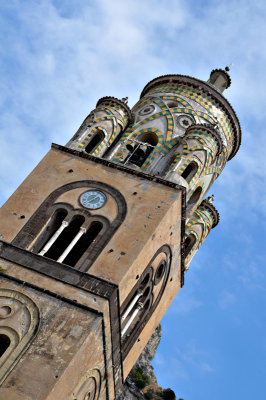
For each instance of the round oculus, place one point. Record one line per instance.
(93, 199)
(147, 110)
(184, 121)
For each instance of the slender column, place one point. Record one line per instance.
(131, 305)
(71, 245)
(53, 238)
(131, 319)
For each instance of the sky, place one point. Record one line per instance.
(58, 57)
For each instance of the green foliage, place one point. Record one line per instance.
(2, 269)
(148, 395)
(140, 379)
(168, 394)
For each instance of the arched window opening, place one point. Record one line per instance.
(190, 171)
(4, 344)
(65, 238)
(52, 227)
(94, 142)
(172, 104)
(189, 243)
(139, 150)
(84, 243)
(194, 197)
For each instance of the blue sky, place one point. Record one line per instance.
(59, 57)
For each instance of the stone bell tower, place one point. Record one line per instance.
(97, 239)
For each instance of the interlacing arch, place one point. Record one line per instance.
(177, 99)
(186, 163)
(135, 137)
(108, 110)
(164, 148)
(199, 219)
(115, 121)
(200, 184)
(86, 140)
(205, 102)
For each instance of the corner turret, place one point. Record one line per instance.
(220, 79)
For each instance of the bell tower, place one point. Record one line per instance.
(96, 241)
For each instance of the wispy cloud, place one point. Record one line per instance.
(226, 299)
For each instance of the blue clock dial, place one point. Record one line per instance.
(93, 199)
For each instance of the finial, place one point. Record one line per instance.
(211, 198)
(227, 68)
(125, 100)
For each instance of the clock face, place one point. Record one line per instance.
(93, 199)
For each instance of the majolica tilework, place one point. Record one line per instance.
(135, 135)
(96, 123)
(204, 101)
(204, 218)
(177, 99)
(169, 142)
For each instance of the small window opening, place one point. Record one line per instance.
(65, 238)
(4, 344)
(189, 243)
(172, 104)
(194, 197)
(190, 171)
(139, 150)
(94, 142)
(83, 244)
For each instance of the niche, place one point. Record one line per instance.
(194, 197)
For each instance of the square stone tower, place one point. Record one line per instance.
(96, 241)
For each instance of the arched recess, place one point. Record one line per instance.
(145, 296)
(19, 322)
(190, 171)
(95, 140)
(34, 228)
(189, 243)
(140, 148)
(194, 198)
